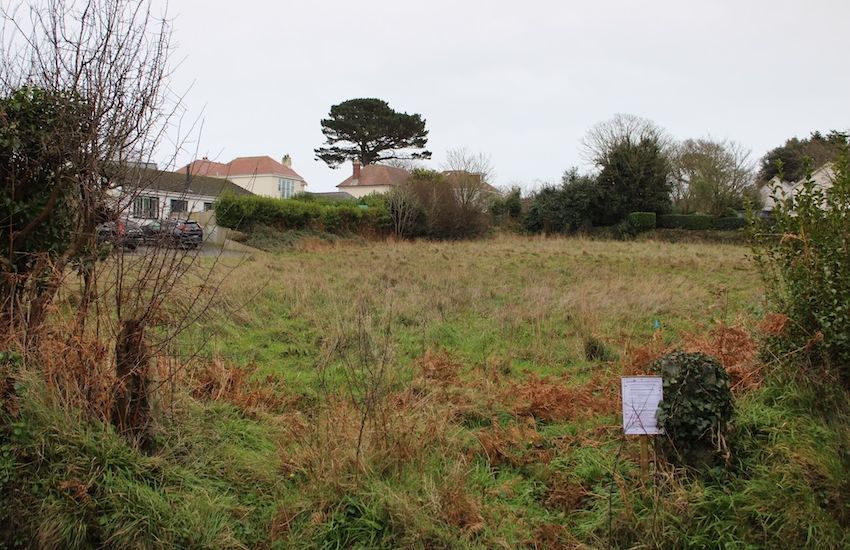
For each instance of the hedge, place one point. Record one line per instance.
(685, 221)
(641, 221)
(244, 212)
(729, 223)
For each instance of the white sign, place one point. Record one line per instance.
(641, 396)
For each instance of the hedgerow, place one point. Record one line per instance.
(685, 221)
(246, 212)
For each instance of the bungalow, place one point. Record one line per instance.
(379, 178)
(149, 194)
(260, 175)
(823, 179)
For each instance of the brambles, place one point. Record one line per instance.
(696, 408)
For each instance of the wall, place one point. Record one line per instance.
(265, 185)
(196, 203)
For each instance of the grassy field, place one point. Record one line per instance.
(442, 395)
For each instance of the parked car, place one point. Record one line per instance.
(120, 233)
(186, 233)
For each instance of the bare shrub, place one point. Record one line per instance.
(216, 380)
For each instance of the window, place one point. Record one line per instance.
(208, 206)
(179, 205)
(286, 188)
(146, 208)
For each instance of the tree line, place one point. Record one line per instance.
(637, 167)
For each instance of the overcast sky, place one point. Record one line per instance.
(519, 81)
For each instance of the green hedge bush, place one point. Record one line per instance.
(685, 221)
(641, 221)
(245, 212)
(728, 223)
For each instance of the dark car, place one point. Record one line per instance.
(120, 233)
(185, 233)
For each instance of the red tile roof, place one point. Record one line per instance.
(241, 166)
(377, 174)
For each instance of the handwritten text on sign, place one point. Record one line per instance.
(641, 396)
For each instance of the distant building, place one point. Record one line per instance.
(379, 178)
(823, 179)
(372, 178)
(259, 175)
(151, 194)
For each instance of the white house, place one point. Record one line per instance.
(823, 179)
(149, 194)
(260, 175)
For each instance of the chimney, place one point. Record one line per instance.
(286, 161)
(356, 164)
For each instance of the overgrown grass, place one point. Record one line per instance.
(496, 423)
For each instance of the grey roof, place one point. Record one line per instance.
(173, 182)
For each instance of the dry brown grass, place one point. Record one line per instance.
(514, 445)
(438, 367)
(554, 400)
(216, 380)
(734, 346)
(405, 430)
(456, 506)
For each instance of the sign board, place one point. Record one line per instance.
(641, 396)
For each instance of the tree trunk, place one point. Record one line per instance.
(131, 409)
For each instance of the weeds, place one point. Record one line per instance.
(449, 404)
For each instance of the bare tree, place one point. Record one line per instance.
(604, 137)
(404, 210)
(469, 175)
(711, 176)
(112, 59)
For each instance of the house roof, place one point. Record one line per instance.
(173, 182)
(373, 175)
(241, 166)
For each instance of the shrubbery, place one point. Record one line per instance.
(576, 204)
(452, 210)
(248, 211)
(508, 208)
(696, 408)
(728, 223)
(685, 221)
(804, 255)
(641, 221)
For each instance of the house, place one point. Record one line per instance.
(148, 194)
(379, 178)
(372, 178)
(823, 179)
(259, 175)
